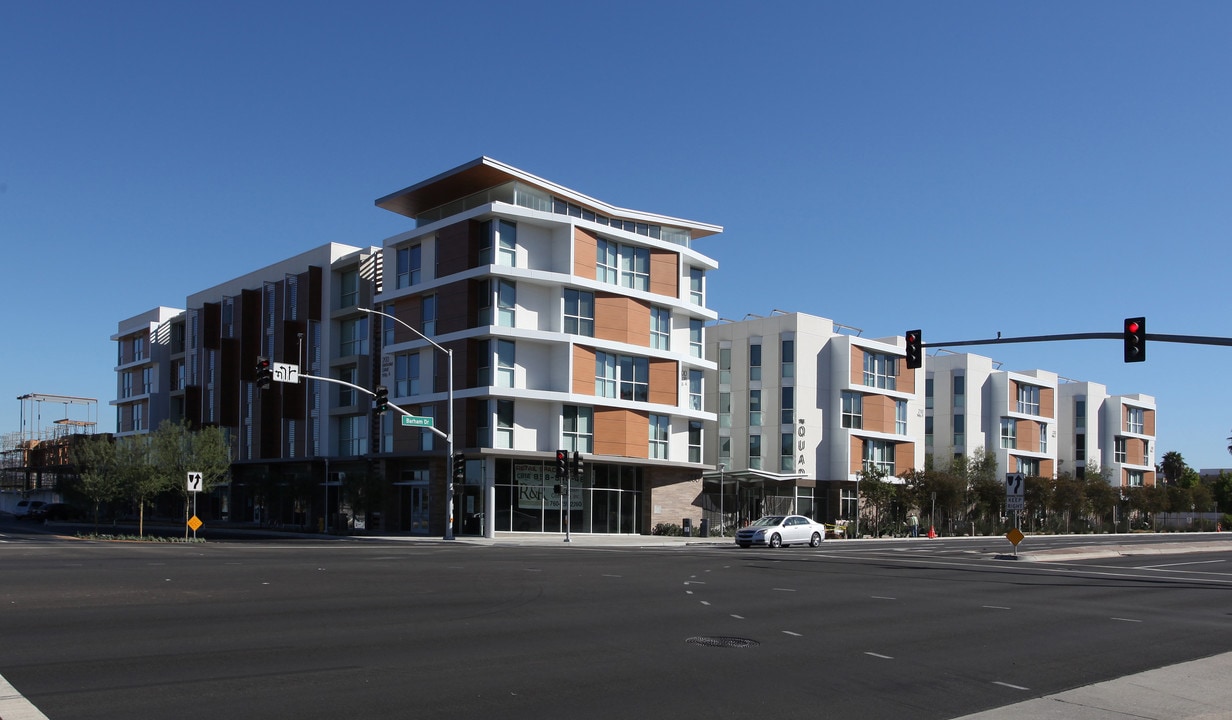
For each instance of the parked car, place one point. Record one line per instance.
(57, 512)
(26, 508)
(779, 530)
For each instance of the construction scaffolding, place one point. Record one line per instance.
(36, 456)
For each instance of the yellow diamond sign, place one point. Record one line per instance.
(195, 523)
(1015, 536)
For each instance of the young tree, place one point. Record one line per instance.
(94, 456)
(176, 451)
(137, 477)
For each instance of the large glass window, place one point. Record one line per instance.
(788, 360)
(695, 337)
(755, 452)
(660, 328)
(409, 270)
(1120, 450)
(506, 303)
(853, 410)
(879, 454)
(695, 389)
(1043, 437)
(352, 436)
(605, 375)
(634, 377)
(354, 337)
(755, 362)
(724, 366)
(1028, 399)
(504, 424)
(695, 441)
(635, 267)
(697, 286)
(725, 410)
(505, 363)
(880, 371)
(900, 417)
(428, 315)
(607, 269)
(406, 374)
(1135, 420)
(787, 405)
(578, 429)
(579, 312)
(754, 408)
(787, 449)
(1009, 433)
(349, 292)
(659, 435)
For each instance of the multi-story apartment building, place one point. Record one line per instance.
(572, 324)
(803, 407)
(143, 381)
(1113, 432)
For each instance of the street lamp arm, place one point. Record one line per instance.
(404, 324)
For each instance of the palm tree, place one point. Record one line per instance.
(1173, 467)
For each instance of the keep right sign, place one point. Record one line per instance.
(1014, 487)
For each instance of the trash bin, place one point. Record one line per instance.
(703, 530)
(687, 527)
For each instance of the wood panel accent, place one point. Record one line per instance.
(664, 272)
(620, 432)
(583, 382)
(663, 384)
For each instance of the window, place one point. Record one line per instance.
(928, 394)
(755, 452)
(787, 405)
(505, 363)
(1027, 466)
(960, 431)
(928, 430)
(635, 267)
(634, 377)
(1028, 399)
(695, 441)
(506, 244)
(606, 268)
(755, 363)
(1134, 420)
(126, 385)
(138, 349)
(605, 375)
(1043, 437)
(695, 389)
(1080, 447)
(1009, 433)
(428, 315)
(725, 450)
(147, 380)
(658, 436)
(504, 424)
(1120, 451)
(388, 325)
(347, 395)
(788, 359)
(900, 417)
(697, 286)
(506, 303)
(754, 408)
(660, 328)
(351, 438)
(406, 375)
(879, 454)
(138, 416)
(787, 450)
(1134, 478)
(426, 441)
(725, 366)
(725, 410)
(960, 392)
(409, 266)
(1080, 414)
(579, 312)
(695, 337)
(578, 429)
(348, 294)
(853, 410)
(354, 339)
(880, 371)
(1146, 452)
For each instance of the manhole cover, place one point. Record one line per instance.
(730, 642)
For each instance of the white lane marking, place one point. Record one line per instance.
(611, 576)
(1124, 619)
(705, 602)
(1168, 565)
(794, 634)
(879, 655)
(996, 607)
(738, 617)
(784, 589)
(882, 597)
(1005, 684)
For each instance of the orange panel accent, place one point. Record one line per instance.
(664, 273)
(663, 385)
(904, 457)
(623, 433)
(1148, 422)
(1048, 402)
(878, 413)
(857, 365)
(583, 370)
(584, 249)
(857, 454)
(1028, 434)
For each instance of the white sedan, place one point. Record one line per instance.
(779, 530)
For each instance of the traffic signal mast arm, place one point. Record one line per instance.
(1153, 337)
(366, 391)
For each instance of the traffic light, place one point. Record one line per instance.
(264, 373)
(577, 465)
(380, 403)
(459, 468)
(915, 350)
(1135, 339)
(562, 464)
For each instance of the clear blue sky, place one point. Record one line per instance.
(966, 167)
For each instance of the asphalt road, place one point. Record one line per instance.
(432, 630)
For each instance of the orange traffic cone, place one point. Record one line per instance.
(932, 532)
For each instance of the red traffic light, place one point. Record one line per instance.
(1135, 339)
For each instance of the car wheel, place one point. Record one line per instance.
(776, 541)
(815, 540)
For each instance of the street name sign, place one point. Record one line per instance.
(416, 421)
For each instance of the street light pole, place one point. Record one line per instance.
(449, 488)
(722, 471)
